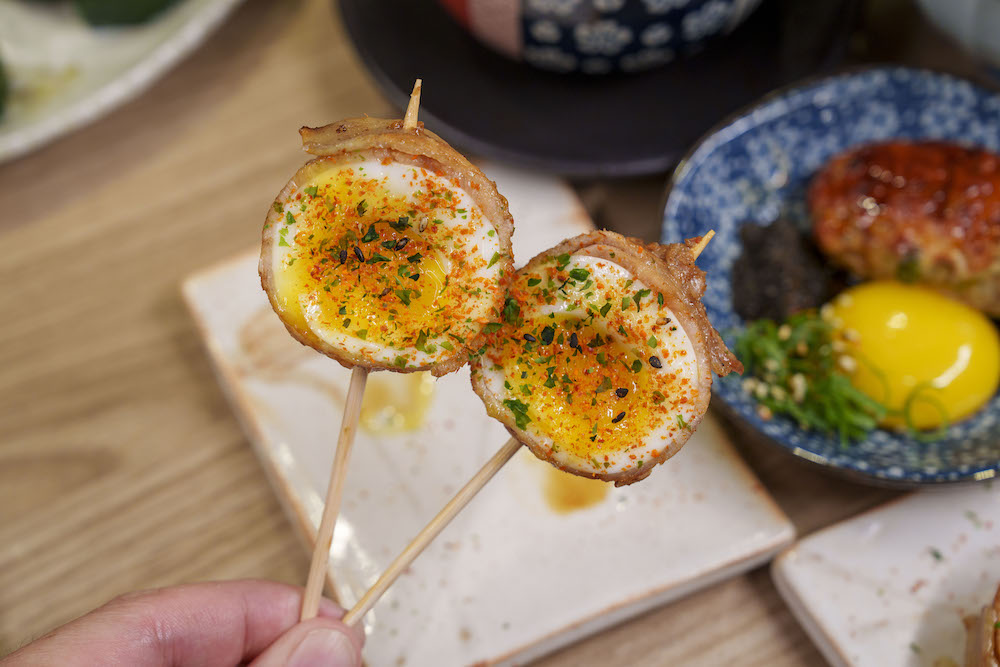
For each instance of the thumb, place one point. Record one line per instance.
(318, 642)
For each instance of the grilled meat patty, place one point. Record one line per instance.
(926, 212)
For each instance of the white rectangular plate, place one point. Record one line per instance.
(891, 586)
(511, 578)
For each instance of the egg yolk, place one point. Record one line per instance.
(573, 395)
(591, 361)
(402, 270)
(928, 358)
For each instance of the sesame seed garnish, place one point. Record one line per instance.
(655, 362)
(574, 341)
(530, 338)
(385, 291)
(401, 243)
(357, 253)
(343, 256)
(620, 416)
(621, 393)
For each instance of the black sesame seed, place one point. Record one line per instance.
(360, 255)
(401, 243)
(548, 333)
(655, 362)
(530, 338)
(385, 291)
(620, 416)
(343, 256)
(574, 341)
(621, 393)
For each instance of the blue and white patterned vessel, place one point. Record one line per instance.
(757, 166)
(602, 36)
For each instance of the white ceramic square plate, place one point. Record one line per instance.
(891, 586)
(539, 558)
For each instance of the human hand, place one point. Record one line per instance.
(210, 624)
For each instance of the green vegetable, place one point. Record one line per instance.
(511, 311)
(120, 12)
(908, 270)
(520, 411)
(922, 392)
(794, 372)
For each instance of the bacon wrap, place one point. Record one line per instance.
(384, 139)
(669, 269)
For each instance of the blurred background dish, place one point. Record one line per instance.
(756, 168)
(891, 586)
(597, 36)
(975, 24)
(63, 72)
(581, 125)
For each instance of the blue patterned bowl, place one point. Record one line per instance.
(756, 167)
(597, 36)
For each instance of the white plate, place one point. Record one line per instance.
(511, 578)
(891, 586)
(65, 73)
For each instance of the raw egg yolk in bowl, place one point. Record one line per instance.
(928, 359)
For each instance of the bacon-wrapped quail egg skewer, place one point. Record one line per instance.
(603, 364)
(587, 325)
(389, 250)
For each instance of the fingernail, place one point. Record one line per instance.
(324, 647)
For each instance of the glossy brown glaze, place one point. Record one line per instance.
(926, 212)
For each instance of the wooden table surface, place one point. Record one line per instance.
(121, 465)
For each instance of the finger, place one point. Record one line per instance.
(319, 641)
(195, 625)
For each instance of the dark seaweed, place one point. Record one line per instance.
(781, 272)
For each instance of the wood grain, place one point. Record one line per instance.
(319, 563)
(121, 466)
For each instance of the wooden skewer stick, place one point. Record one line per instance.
(348, 427)
(427, 535)
(450, 511)
(702, 243)
(410, 119)
(324, 536)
